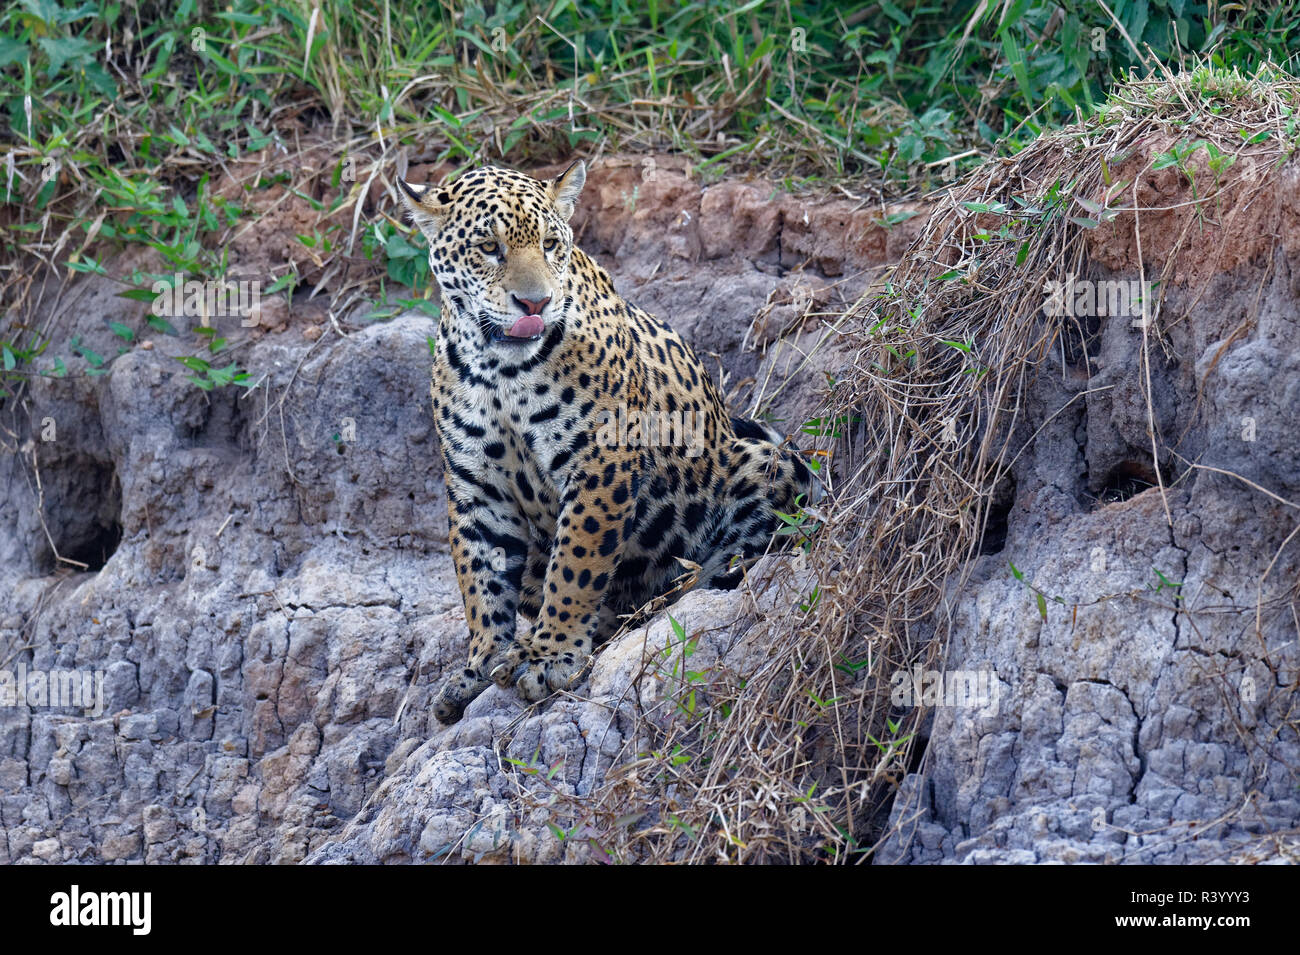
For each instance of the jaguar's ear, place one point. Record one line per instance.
(428, 208)
(567, 186)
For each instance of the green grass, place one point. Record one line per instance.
(119, 119)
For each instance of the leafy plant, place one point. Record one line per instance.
(1040, 597)
(206, 376)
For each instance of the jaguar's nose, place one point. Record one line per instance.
(531, 307)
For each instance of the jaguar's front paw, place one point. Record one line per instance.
(506, 666)
(456, 694)
(541, 678)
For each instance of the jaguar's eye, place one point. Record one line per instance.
(490, 248)
(551, 244)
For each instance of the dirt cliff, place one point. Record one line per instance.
(268, 597)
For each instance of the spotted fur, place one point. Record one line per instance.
(555, 513)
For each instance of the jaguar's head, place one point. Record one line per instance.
(499, 248)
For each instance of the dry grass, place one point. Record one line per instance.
(799, 762)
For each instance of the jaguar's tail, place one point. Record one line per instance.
(811, 485)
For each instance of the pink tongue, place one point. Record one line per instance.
(526, 327)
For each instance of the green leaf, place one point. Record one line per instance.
(11, 51)
(121, 331)
(93, 357)
(895, 14)
(138, 295)
(397, 247)
(65, 50)
(1016, 58)
(247, 19)
(894, 218)
(1165, 581)
(221, 63)
(162, 325)
(47, 11)
(87, 265)
(1096, 208)
(1042, 605)
(99, 79)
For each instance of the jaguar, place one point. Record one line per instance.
(591, 465)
